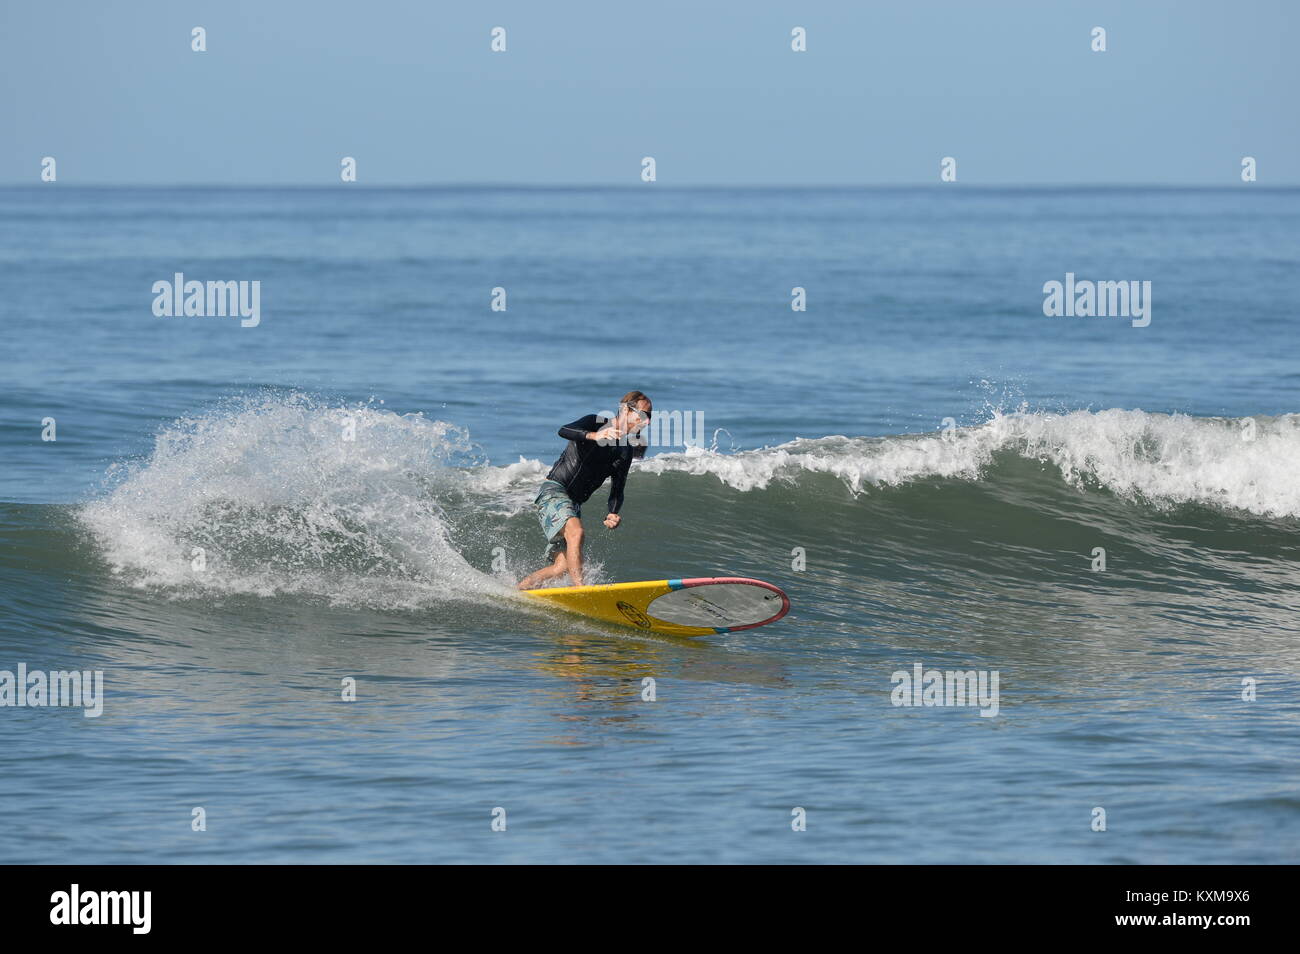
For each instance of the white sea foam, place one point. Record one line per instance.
(280, 501)
(1162, 458)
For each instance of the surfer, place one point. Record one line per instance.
(598, 448)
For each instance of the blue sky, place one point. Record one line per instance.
(1010, 89)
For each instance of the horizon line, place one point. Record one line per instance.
(648, 185)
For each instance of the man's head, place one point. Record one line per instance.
(634, 412)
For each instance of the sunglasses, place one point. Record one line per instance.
(637, 411)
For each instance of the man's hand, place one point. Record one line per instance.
(612, 434)
(612, 520)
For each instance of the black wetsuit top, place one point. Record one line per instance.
(585, 464)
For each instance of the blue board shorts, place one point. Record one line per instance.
(554, 508)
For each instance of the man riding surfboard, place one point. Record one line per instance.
(598, 448)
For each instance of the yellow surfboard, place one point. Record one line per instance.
(698, 607)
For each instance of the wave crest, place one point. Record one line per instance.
(1163, 459)
(278, 499)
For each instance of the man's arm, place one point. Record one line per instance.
(583, 429)
(616, 481)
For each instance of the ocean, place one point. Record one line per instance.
(238, 523)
